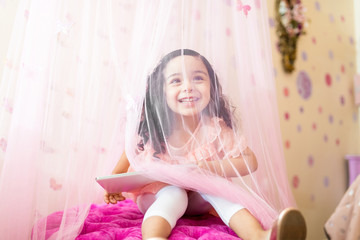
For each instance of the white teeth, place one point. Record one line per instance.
(188, 99)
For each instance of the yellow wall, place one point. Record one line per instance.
(322, 124)
(320, 129)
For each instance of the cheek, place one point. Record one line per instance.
(170, 96)
(206, 94)
(207, 99)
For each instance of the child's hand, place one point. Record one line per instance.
(113, 197)
(212, 166)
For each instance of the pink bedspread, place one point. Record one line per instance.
(123, 221)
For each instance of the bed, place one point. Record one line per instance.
(123, 221)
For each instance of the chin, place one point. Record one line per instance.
(190, 114)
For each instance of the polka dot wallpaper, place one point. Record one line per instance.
(318, 116)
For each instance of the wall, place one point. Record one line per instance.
(319, 120)
(356, 11)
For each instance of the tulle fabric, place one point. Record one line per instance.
(73, 92)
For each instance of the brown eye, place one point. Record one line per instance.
(198, 78)
(175, 80)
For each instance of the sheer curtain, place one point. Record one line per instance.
(73, 91)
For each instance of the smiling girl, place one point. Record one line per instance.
(187, 120)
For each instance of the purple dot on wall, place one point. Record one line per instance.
(304, 55)
(312, 198)
(331, 119)
(338, 78)
(271, 22)
(331, 18)
(341, 122)
(355, 117)
(317, 5)
(325, 138)
(303, 84)
(351, 39)
(301, 109)
(331, 54)
(299, 128)
(310, 161)
(342, 100)
(326, 181)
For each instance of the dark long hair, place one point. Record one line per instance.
(157, 118)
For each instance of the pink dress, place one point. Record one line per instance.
(212, 139)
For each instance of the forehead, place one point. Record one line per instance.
(187, 63)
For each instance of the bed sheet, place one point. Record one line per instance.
(123, 221)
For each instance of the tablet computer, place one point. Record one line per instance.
(123, 182)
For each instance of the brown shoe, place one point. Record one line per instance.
(289, 226)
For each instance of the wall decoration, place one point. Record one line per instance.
(290, 21)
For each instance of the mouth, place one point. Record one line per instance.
(188, 99)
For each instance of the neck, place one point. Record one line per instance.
(186, 123)
(183, 129)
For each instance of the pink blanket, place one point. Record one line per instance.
(123, 221)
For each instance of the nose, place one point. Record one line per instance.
(187, 85)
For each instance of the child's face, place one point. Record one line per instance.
(187, 85)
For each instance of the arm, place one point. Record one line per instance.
(122, 166)
(225, 166)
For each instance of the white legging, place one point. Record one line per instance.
(172, 203)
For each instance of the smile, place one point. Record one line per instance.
(188, 99)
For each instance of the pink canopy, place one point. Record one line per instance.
(73, 95)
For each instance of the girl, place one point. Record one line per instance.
(186, 120)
